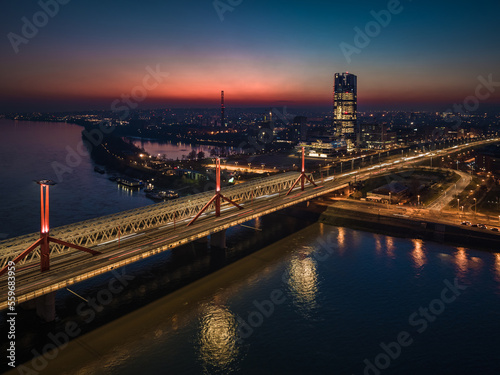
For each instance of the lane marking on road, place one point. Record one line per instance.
(121, 255)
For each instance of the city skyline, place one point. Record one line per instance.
(411, 56)
(234, 184)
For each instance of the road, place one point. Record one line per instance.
(74, 267)
(445, 216)
(447, 196)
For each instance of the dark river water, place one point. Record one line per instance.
(295, 297)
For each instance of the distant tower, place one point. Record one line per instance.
(345, 103)
(222, 114)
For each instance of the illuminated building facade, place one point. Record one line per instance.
(345, 103)
(376, 136)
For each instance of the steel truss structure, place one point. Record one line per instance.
(108, 228)
(45, 239)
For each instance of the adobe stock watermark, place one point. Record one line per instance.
(372, 29)
(266, 308)
(88, 311)
(121, 107)
(223, 6)
(420, 320)
(40, 19)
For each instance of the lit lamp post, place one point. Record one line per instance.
(458, 206)
(45, 239)
(475, 207)
(217, 197)
(418, 200)
(302, 176)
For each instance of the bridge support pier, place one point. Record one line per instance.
(202, 240)
(46, 307)
(218, 239)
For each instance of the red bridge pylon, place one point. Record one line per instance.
(45, 240)
(216, 198)
(302, 178)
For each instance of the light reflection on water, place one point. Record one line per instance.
(389, 244)
(176, 150)
(497, 267)
(341, 240)
(418, 254)
(217, 337)
(357, 301)
(461, 262)
(258, 223)
(378, 244)
(303, 280)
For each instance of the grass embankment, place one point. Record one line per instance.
(486, 194)
(430, 194)
(428, 184)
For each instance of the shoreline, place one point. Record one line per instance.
(406, 226)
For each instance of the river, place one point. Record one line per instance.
(178, 150)
(290, 297)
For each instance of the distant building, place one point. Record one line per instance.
(393, 192)
(322, 148)
(488, 159)
(300, 128)
(376, 136)
(345, 104)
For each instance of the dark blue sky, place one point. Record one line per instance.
(429, 55)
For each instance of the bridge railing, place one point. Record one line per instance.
(92, 232)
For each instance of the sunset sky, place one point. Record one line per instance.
(262, 53)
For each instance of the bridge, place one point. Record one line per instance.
(133, 235)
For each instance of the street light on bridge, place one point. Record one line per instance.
(302, 176)
(217, 197)
(45, 240)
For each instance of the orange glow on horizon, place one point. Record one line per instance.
(246, 80)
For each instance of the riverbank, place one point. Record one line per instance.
(357, 215)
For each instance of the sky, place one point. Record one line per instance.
(91, 54)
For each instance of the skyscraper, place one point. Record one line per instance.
(345, 103)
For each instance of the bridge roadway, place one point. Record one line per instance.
(73, 267)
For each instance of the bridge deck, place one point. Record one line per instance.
(73, 267)
(150, 230)
(107, 228)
